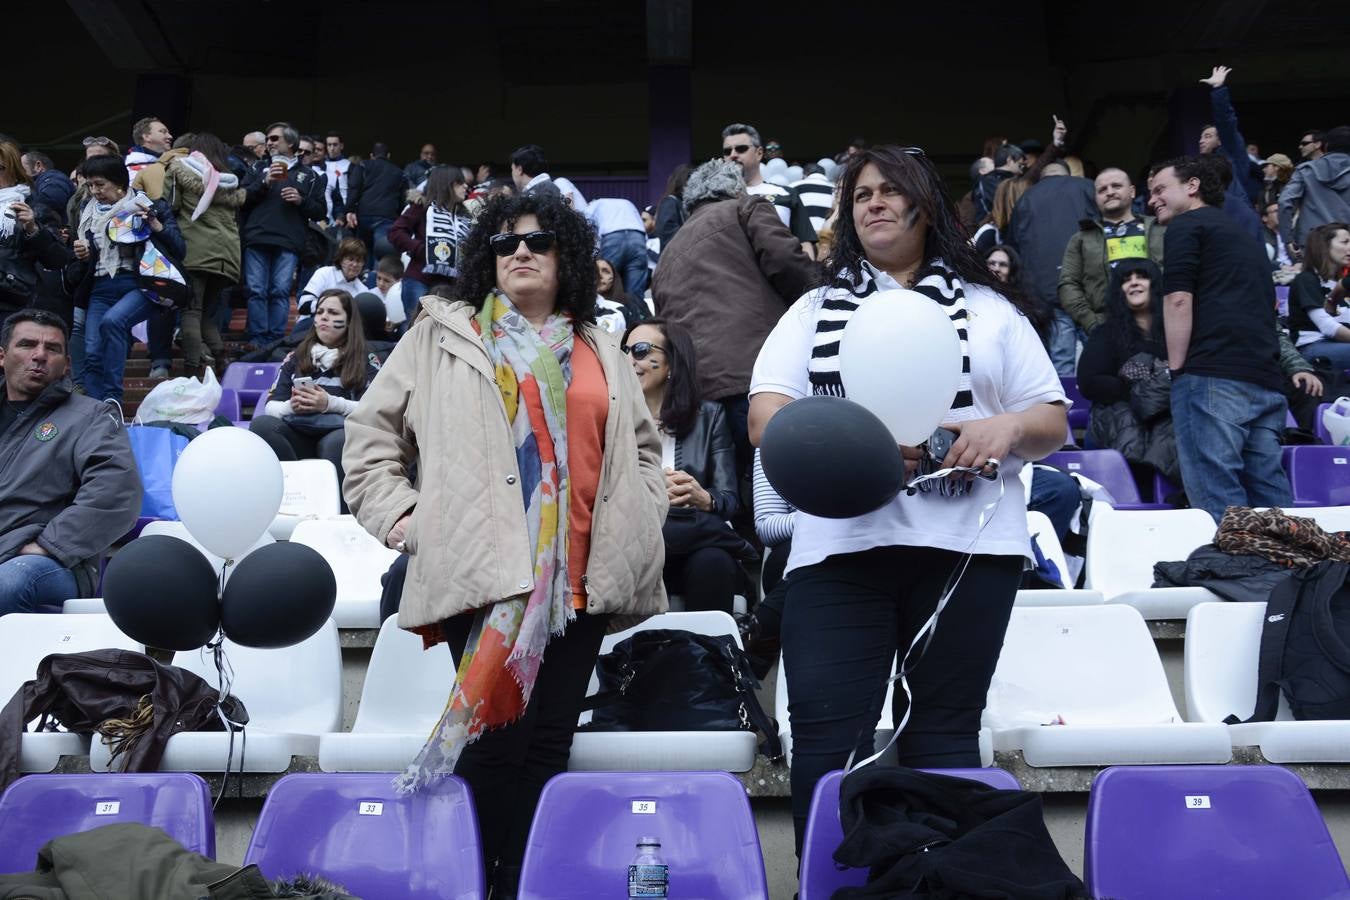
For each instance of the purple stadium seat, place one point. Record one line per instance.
(1109, 469)
(820, 875)
(37, 808)
(1323, 434)
(1208, 831)
(251, 381)
(1162, 488)
(1078, 415)
(229, 405)
(1320, 476)
(587, 826)
(354, 829)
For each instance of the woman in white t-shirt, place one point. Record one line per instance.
(344, 274)
(862, 588)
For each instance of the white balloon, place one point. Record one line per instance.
(900, 357)
(227, 487)
(777, 164)
(794, 173)
(179, 530)
(777, 178)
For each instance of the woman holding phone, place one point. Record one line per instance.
(318, 387)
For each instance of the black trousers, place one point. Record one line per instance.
(705, 578)
(843, 621)
(290, 445)
(508, 767)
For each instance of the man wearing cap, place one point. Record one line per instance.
(1275, 172)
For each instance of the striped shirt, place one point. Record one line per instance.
(817, 195)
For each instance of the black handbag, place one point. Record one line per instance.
(674, 680)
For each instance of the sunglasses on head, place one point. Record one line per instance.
(100, 141)
(506, 243)
(641, 350)
(737, 148)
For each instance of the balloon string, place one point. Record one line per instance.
(224, 682)
(925, 634)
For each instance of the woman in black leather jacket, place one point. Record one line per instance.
(699, 458)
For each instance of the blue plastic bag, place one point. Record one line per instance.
(156, 451)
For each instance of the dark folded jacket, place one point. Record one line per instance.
(1233, 576)
(934, 836)
(80, 691)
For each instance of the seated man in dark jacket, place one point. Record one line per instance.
(68, 481)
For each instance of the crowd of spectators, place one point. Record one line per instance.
(728, 295)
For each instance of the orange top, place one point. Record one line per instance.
(587, 411)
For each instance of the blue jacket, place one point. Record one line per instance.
(1247, 178)
(53, 190)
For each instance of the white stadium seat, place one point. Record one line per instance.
(405, 692)
(358, 560)
(83, 605)
(656, 751)
(311, 492)
(1123, 546)
(293, 695)
(1058, 598)
(29, 637)
(176, 529)
(1223, 642)
(885, 724)
(1096, 670)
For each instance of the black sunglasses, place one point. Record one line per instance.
(738, 148)
(506, 243)
(641, 350)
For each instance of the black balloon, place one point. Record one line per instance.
(277, 596)
(161, 591)
(831, 457)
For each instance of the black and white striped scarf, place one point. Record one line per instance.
(936, 282)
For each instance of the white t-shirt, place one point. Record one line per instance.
(323, 279)
(1010, 372)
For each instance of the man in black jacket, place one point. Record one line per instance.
(415, 172)
(282, 195)
(68, 481)
(374, 200)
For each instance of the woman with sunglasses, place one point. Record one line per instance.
(698, 457)
(532, 516)
(861, 589)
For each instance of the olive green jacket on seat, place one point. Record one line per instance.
(130, 861)
(1084, 275)
(436, 403)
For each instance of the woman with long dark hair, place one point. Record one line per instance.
(670, 210)
(698, 456)
(507, 449)
(431, 231)
(1317, 326)
(861, 589)
(319, 385)
(1123, 371)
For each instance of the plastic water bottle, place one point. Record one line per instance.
(648, 875)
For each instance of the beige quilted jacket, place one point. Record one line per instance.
(436, 403)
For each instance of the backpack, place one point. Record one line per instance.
(1305, 646)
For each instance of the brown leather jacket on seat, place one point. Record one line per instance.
(81, 691)
(436, 402)
(728, 275)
